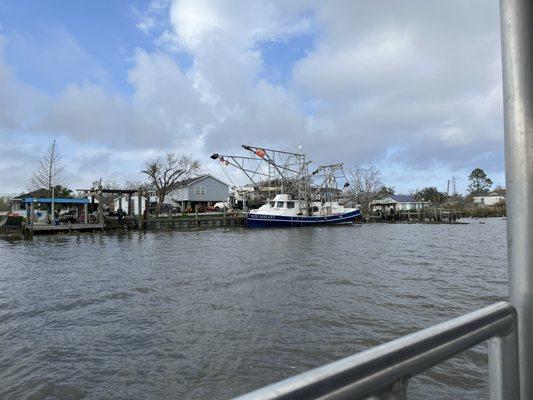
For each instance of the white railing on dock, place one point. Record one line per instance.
(384, 371)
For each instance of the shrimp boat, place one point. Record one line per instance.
(294, 196)
(286, 212)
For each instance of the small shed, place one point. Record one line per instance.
(124, 202)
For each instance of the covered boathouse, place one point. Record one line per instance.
(42, 215)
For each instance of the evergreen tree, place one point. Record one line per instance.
(479, 182)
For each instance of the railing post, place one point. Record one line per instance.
(398, 391)
(503, 366)
(517, 56)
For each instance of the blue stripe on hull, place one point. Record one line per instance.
(272, 221)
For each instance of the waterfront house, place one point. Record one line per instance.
(398, 202)
(200, 190)
(494, 198)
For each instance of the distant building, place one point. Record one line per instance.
(202, 189)
(496, 197)
(398, 202)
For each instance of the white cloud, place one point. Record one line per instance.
(239, 24)
(19, 103)
(408, 82)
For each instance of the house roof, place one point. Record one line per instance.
(494, 193)
(403, 198)
(187, 182)
(497, 192)
(397, 198)
(58, 200)
(190, 181)
(36, 193)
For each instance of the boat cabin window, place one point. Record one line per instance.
(280, 204)
(272, 204)
(290, 204)
(315, 209)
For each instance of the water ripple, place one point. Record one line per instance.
(212, 314)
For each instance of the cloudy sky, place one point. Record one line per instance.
(412, 86)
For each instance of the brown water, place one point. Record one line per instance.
(213, 314)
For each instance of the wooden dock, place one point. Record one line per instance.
(47, 228)
(207, 221)
(130, 223)
(424, 216)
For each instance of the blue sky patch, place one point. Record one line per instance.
(279, 57)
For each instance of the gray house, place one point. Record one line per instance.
(203, 189)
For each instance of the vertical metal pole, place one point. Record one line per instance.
(503, 367)
(517, 56)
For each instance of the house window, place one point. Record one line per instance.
(199, 190)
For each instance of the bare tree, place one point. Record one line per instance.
(134, 185)
(48, 174)
(109, 198)
(165, 173)
(365, 184)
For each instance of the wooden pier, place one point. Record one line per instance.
(207, 221)
(48, 228)
(423, 216)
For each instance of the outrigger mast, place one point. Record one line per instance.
(288, 170)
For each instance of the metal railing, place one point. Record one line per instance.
(384, 371)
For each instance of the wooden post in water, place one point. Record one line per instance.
(86, 212)
(196, 214)
(100, 205)
(224, 220)
(31, 216)
(139, 209)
